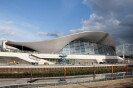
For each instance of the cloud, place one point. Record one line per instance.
(5, 28)
(9, 22)
(7, 34)
(17, 34)
(12, 33)
(97, 23)
(31, 26)
(112, 16)
(50, 34)
(6, 31)
(2, 39)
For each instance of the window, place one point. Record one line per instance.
(85, 47)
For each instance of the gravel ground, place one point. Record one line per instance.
(124, 83)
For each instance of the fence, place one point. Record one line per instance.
(72, 80)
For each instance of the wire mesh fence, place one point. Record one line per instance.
(77, 80)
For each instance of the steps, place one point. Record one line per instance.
(25, 56)
(39, 60)
(22, 56)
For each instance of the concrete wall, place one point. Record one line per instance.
(23, 56)
(7, 60)
(82, 59)
(78, 58)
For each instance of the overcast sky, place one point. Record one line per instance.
(36, 20)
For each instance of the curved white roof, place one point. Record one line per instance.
(55, 45)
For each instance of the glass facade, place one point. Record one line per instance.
(85, 47)
(58, 61)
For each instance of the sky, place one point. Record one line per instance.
(37, 20)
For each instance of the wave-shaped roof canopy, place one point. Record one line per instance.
(55, 45)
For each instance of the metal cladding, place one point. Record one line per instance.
(55, 45)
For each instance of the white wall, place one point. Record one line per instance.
(23, 56)
(97, 57)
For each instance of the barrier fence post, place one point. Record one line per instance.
(123, 75)
(93, 72)
(126, 70)
(64, 74)
(112, 71)
(132, 74)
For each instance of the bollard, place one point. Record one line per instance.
(64, 74)
(112, 71)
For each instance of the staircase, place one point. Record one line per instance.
(21, 56)
(25, 56)
(39, 60)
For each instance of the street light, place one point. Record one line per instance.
(124, 51)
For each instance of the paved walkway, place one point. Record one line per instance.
(124, 83)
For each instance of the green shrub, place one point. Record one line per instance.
(60, 72)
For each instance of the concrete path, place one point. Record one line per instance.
(124, 83)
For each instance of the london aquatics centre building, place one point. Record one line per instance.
(84, 48)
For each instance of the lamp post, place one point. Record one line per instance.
(63, 62)
(123, 53)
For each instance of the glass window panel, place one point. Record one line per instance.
(77, 45)
(81, 43)
(77, 51)
(77, 48)
(83, 47)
